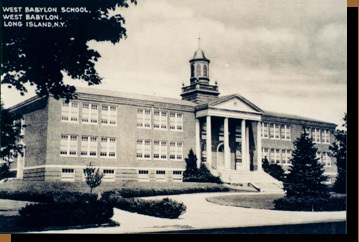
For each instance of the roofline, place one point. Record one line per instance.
(26, 102)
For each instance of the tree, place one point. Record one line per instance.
(10, 135)
(274, 170)
(339, 151)
(4, 171)
(191, 164)
(306, 174)
(93, 176)
(40, 55)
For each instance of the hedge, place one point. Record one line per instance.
(310, 204)
(164, 208)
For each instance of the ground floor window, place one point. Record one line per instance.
(160, 176)
(109, 175)
(68, 174)
(177, 176)
(143, 176)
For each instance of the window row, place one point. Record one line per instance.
(161, 150)
(275, 131)
(319, 135)
(90, 114)
(277, 156)
(88, 146)
(68, 174)
(160, 120)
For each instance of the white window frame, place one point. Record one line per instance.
(286, 156)
(143, 176)
(88, 146)
(109, 177)
(176, 150)
(108, 147)
(316, 135)
(176, 122)
(160, 120)
(68, 176)
(276, 131)
(109, 116)
(144, 149)
(160, 149)
(144, 118)
(325, 136)
(265, 130)
(277, 156)
(177, 176)
(72, 110)
(69, 141)
(93, 114)
(266, 153)
(326, 159)
(160, 176)
(285, 133)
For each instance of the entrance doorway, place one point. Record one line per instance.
(220, 156)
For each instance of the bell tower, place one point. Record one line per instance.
(199, 90)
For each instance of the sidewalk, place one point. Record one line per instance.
(201, 214)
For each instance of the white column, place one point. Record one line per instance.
(198, 143)
(243, 139)
(259, 146)
(227, 154)
(247, 150)
(209, 142)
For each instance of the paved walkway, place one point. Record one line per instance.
(201, 214)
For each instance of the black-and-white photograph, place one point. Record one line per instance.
(167, 116)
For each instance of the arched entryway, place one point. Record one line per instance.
(220, 156)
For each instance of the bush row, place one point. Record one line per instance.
(165, 208)
(67, 213)
(310, 204)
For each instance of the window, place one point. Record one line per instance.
(160, 176)
(286, 156)
(275, 156)
(285, 132)
(264, 133)
(68, 174)
(238, 137)
(325, 136)
(108, 115)
(265, 153)
(70, 112)
(319, 157)
(177, 176)
(160, 150)
(176, 121)
(89, 113)
(198, 70)
(316, 135)
(144, 118)
(205, 70)
(326, 159)
(309, 132)
(143, 176)
(160, 120)
(143, 149)
(68, 145)
(274, 131)
(109, 175)
(108, 147)
(176, 151)
(88, 146)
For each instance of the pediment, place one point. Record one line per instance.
(237, 104)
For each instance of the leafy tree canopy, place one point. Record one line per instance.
(36, 56)
(93, 176)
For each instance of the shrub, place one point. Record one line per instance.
(164, 208)
(202, 175)
(274, 170)
(67, 214)
(310, 204)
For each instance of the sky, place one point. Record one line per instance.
(283, 56)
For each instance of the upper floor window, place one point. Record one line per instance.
(286, 156)
(264, 131)
(160, 120)
(176, 150)
(309, 132)
(70, 112)
(89, 146)
(275, 156)
(143, 149)
(108, 147)
(89, 113)
(176, 121)
(326, 159)
(274, 131)
(285, 132)
(68, 145)
(316, 135)
(326, 136)
(144, 118)
(108, 115)
(160, 150)
(265, 153)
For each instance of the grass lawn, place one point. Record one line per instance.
(260, 201)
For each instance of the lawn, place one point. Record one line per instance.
(259, 201)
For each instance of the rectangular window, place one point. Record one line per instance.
(177, 176)
(326, 159)
(143, 149)
(160, 120)
(160, 176)
(160, 150)
(264, 131)
(89, 146)
(70, 112)
(319, 157)
(316, 135)
(108, 147)
(108, 115)
(143, 176)
(275, 156)
(325, 136)
(89, 113)
(265, 153)
(286, 156)
(176, 121)
(144, 118)
(109, 175)
(176, 150)
(274, 131)
(285, 132)
(68, 174)
(68, 145)
(309, 132)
